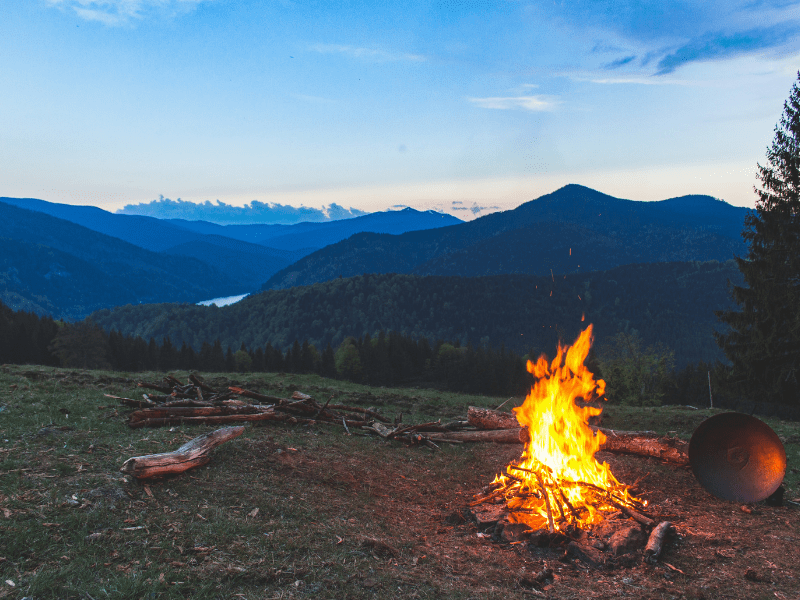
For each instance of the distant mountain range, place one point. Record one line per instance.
(521, 278)
(52, 266)
(198, 260)
(574, 229)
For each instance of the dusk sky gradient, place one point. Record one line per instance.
(463, 107)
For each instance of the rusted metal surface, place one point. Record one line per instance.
(737, 457)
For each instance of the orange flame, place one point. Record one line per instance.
(557, 482)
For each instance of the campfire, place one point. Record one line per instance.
(557, 483)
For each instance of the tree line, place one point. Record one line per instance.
(636, 374)
(389, 358)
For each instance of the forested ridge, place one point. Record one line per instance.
(574, 229)
(668, 303)
(387, 359)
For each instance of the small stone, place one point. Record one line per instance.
(456, 518)
(536, 580)
(539, 538)
(515, 532)
(486, 515)
(587, 554)
(753, 575)
(628, 538)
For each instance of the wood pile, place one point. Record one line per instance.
(178, 403)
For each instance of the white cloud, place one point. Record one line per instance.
(120, 12)
(532, 103)
(370, 54)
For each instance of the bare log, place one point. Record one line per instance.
(213, 420)
(668, 449)
(498, 436)
(656, 541)
(162, 412)
(195, 379)
(487, 418)
(365, 411)
(193, 453)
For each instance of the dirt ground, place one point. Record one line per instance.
(722, 550)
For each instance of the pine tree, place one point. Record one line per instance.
(763, 342)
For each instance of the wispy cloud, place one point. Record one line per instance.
(532, 103)
(620, 62)
(648, 80)
(668, 35)
(121, 12)
(368, 54)
(475, 209)
(724, 45)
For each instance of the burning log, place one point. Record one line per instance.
(193, 453)
(639, 443)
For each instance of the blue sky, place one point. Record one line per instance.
(464, 107)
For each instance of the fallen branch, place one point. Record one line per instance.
(655, 542)
(498, 436)
(193, 453)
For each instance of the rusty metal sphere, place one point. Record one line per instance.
(737, 457)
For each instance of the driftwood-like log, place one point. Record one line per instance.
(655, 543)
(193, 453)
(487, 418)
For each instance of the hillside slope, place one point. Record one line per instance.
(245, 252)
(53, 266)
(670, 303)
(309, 236)
(574, 229)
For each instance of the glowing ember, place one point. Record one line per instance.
(557, 482)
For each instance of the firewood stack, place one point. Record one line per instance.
(176, 403)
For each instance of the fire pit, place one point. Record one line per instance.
(557, 483)
(557, 494)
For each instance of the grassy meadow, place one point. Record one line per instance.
(283, 511)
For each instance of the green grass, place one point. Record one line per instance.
(280, 512)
